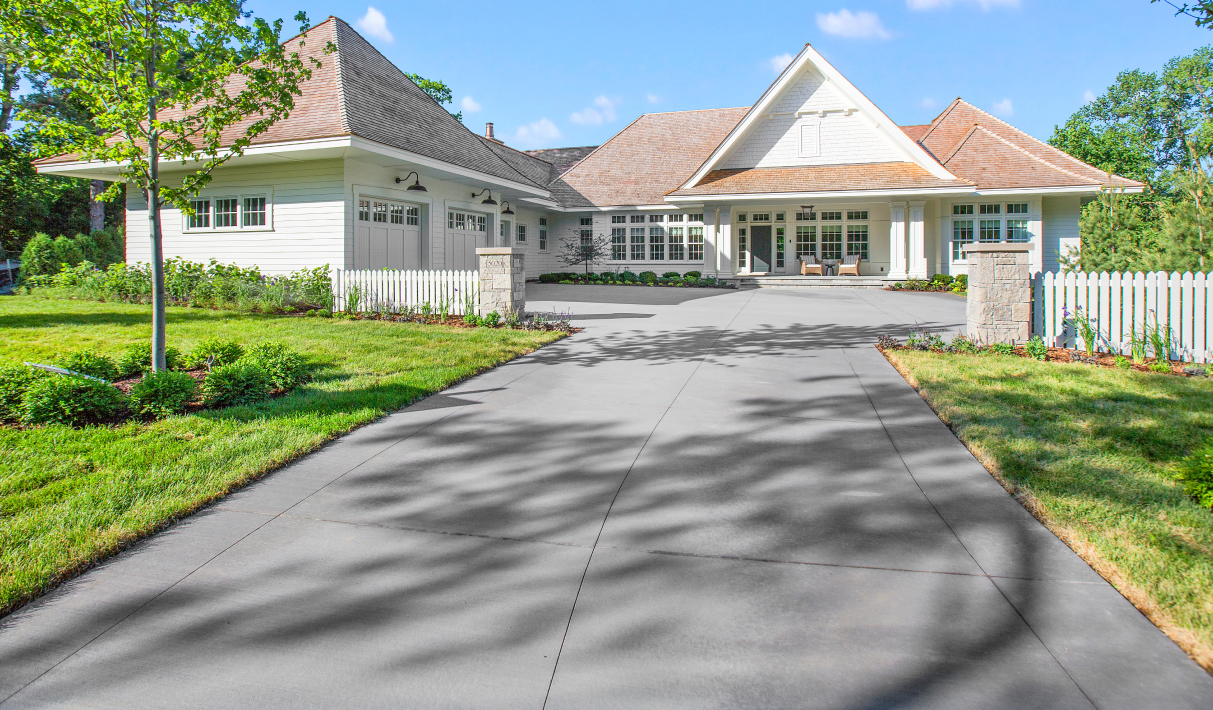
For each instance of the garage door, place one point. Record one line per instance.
(464, 232)
(387, 235)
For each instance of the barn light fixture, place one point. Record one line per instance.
(488, 200)
(507, 209)
(416, 186)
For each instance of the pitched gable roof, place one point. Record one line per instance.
(647, 159)
(995, 155)
(563, 158)
(358, 92)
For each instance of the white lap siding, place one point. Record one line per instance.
(304, 204)
(1060, 228)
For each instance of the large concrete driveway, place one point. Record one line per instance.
(705, 499)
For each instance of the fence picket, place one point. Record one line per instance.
(391, 290)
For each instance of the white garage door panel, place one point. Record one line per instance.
(465, 232)
(387, 235)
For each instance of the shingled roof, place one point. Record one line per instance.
(995, 155)
(650, 157)
(358, 92)
(563, 158)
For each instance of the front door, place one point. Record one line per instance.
(760, 249)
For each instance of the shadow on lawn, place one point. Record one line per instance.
(464, 531)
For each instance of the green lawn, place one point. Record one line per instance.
(69, 497)
(1092, 452)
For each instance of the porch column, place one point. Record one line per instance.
(724, 242)
(918, 241)
(897, 240)
(710, 240)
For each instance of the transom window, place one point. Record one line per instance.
(962, 209)
(1017, 208)
(857, 215)
(741, 216)
(674, 218)
(618, 219)
(831, 217)
(760, 217)
(656, 218)
(467, 221)
(695, 243)
(587, 221)
(806, 216)
(636, 218)
(695, 217)
(990, 209)
(226, 210)
(778, 216)
(619, 243)
(806, 241)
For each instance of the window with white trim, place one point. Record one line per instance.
(760, 217)
(806, 216)
(1017, 208)
(504, 231)
(674, 218)
(779, 217)
(587, 221)
(962, 209)
(677, 248)
(637, 237)
(741, 216)
(962, 234)
(990, 231)
(990, 209)
(695, 243)
(779, 246)
(742, 251)
(857, 215)
(697, 217)
(619, 243)
(831, 216)
(201, 217)
(227, 210)
(543, 234)
(656, 218)
(521, 234)
(1017, 231)
(806, 241)
(831, 241)
(637, 218)
(254, 212)
(857, 240)
(656, 242)
(618, 219)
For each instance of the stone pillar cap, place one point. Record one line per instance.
(482, 251)
(999, 246)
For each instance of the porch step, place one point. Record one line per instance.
(796, 281)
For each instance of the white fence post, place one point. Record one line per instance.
(392, 290)
(1121, 305)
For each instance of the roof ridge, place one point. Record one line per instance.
(939, 119)
(520, 152)
(343, 112)
(951, 153)
(696, 110)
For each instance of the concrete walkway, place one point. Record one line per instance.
(705, 499)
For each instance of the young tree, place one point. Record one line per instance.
(193, 81)
(1112, 235)
(583, 248)
(438, 91)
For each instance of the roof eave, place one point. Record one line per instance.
(829, 194)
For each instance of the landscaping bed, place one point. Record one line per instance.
(943, 283)
(691, 279)
(73, 495)
(1109, 458)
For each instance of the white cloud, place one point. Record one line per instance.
(778, 64)
(1003, 108)
(1088, 96)
(860, 25)
(469, 104)
(936, 4)
(537, 135)
(928, 102)
(654, 99)
(601, 112)
(374, 24)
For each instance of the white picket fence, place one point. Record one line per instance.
(1118, 305)
(392, 290)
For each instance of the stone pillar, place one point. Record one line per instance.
(502, 281)
(1000, 292)
(917, 257)
(897, 240)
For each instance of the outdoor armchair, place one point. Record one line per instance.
(849, 265)
(810, 266)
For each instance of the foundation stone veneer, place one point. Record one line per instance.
(502, 281)
(1000, 292)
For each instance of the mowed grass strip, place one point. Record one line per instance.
(69, 497)
(1093, 453)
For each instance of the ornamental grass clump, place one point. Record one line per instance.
(71, 400)
(160, 394)
(89, 363)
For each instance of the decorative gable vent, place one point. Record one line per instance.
(810, 139)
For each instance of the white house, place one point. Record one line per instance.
(370, 172)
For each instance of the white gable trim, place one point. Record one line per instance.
(762, 110)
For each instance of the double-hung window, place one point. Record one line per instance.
(226, 211)
(521, 234)
(831, 241)
(254, 212)
(201, 217)
(857, 240)
(543, 234)
(677, 248)
(637, 243)
(619, 243)
(695, 243)
(806, 241)
(656, 242)
(962, 235)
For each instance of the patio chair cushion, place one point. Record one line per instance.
(850, 260)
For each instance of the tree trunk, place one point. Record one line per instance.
(96, 208)
(157, 237)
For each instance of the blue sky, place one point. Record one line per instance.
(554, 74)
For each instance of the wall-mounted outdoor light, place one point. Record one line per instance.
(416, 186)
(486, 201)
(507, 209)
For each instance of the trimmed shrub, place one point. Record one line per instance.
(671, 275)
(1196, 473)
(549, 278)
(14, 381)
(138, 359)
(236, 383)
(627, 276)
(214, 352)
(692, 275)
(70, 400)
(160, 394)
(491, 319)
(285, 367)
(648, 277)
(88, 363)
